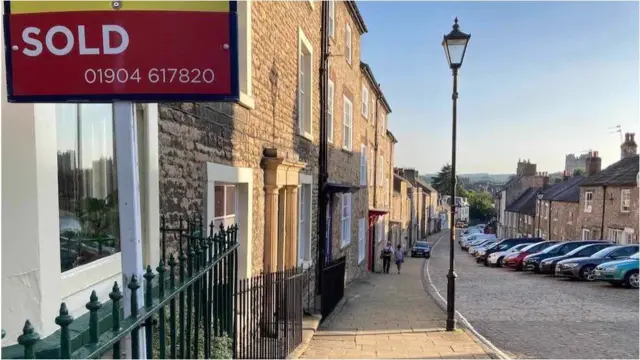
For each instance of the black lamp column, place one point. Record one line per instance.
(455, 46)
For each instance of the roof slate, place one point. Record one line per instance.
(570, 192)
(526, 203)
(623, 172)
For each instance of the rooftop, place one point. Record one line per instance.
(526, 203)
(623, 172)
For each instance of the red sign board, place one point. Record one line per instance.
(101, 51)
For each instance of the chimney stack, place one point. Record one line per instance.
(565, 176)
(593, 163)
(629, 146)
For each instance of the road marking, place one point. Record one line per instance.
(464, 320)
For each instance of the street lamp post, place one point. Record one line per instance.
(540, 196)
(455, 46)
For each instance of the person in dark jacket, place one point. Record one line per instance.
(385, 255)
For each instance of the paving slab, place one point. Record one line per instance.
(389, 316)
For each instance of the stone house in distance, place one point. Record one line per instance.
(557, 210)
(608, 205)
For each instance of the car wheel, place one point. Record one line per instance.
(587, 273)
(631, 279)
(486, 262)
(427, 256)
(500, 262)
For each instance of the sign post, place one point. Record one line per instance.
(126, 138)
(122, 52)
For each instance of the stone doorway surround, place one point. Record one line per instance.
(281, 182)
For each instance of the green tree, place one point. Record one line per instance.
(578, 172)
(481, 205)
(442, 182)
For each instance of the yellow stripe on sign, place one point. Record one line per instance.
(31, 7)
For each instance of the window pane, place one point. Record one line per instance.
(87, 184)
(230, 200)
(219, 201)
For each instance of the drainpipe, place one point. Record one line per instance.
(550, 202)
(323, 175)
(604, 202)
(375, 179)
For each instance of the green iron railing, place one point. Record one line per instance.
(192, 315)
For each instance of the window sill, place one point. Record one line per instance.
(247, 101)
(348, 151)
(345, 246)
(306, 135)
(89, 275)
(625, 211)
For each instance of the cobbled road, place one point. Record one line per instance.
(538, 316)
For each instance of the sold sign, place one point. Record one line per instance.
(101, 51)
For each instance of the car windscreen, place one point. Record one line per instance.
(584, 250)
(635, 256)
(605, 252)
(530, 246)
(421, 244)
(552, 249)
(493, 245)
(519, 247)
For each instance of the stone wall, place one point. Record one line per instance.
(563, 221)
(190, 135)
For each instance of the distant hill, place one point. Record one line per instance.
(495, 178)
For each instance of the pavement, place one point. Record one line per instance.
(391, 316)
(537, 316)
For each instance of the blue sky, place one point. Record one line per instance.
(540, 80)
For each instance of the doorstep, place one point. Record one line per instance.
(309, 327)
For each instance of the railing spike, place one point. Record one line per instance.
(64, 320)
(28, 339)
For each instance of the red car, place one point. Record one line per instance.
(514, 260)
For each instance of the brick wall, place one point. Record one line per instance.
(564, 217)
(190, 135)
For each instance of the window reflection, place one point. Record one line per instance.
(87, 184)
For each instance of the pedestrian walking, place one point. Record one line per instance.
(399, 257)
(385, 255)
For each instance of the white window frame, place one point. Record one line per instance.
(365, 101)
(372, 168)
(245, 54)
(586, 234)
(363, 165)
(305, 86)
(348, 44)
(546, 210)
(305, 208)
(345, 220)
(332, 19)
(627, 235)
(588, 201)
(330, 108)
(243, 180)
(226, 217)
(347, 127)
(625, 200)
(362, 240)
(29, 133)
(615, 235)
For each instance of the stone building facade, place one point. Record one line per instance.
(608, 203)
(222, 159)
(400, 210)
(377, 157)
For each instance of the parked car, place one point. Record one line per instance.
(482, 246)
(548, 266)
(583, 268)
(620, 272)
(421, 249)
(507, 244)
(481, 242)
(515, 260)
(470, 236)
(475, 240)
(532, 262)
(497, 258)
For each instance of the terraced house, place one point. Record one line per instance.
(254, 164)
(608, 207)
